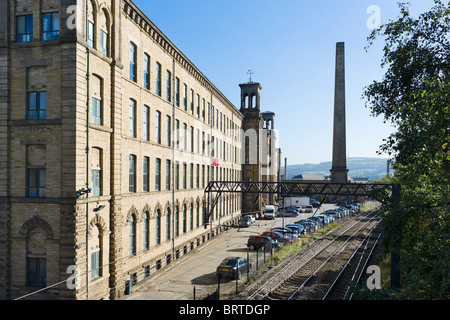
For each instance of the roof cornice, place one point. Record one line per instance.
(135, 14)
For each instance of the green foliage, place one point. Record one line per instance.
(415, 97)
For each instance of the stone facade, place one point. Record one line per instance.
(103, 107)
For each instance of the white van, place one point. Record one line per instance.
(269, 212)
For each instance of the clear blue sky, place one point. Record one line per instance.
(290, 45)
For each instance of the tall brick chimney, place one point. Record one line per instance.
(339, 165)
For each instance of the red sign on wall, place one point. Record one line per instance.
(215, 162)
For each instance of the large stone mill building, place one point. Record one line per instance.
(94, 97)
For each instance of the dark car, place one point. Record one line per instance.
(289, 213)
(315, 204)
(233, 267)
(298, 228)
(256, 242)
(277, 236)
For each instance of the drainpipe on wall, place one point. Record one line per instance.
(173, 157)
(87, 150)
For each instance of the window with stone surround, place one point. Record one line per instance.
(37, 105)
(133, 62)
(24, 28)
(97, 100)
(158, 174)
(132, 118)
(50, 26)
(158, 79)
(146, 71)
(169, 86)
(158, 227)
(36, 171)
(146, 175)
(132, 173)
(132, 236)
(36, 267)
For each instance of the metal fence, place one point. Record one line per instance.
(230, 286)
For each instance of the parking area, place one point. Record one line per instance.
(198, 269)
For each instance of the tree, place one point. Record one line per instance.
(414, 96)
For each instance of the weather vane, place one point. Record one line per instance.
(250, 72)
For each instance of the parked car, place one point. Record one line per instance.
(318, 220)
(345, 210)
(322, 219)
(336, 214)
(332, 217)
(277, 236)
(257, 242)
(299, 209)
(233, 267)
(245, 222)
(252, 217)
(311, 223)
(326, 219)
(351, 208)
(308, 227)
(289, 213)
(315, 204)
(308, 209)
(287, 231)
(298, 227)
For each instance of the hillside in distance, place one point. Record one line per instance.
(359, 167)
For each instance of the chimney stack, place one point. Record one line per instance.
(339, 165)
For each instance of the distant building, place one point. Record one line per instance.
(308, 176)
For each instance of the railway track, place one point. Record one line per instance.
(309, 275)
(354, 268)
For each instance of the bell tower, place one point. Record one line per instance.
(252, 126)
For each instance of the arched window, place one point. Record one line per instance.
(95, 249)
(90, 35)
(36, 258)
(146, 232)
(167, 224)
(132, 236)
(184, 219)
(191, 217)
(158, 227)
(104, 32)
(198, 215)
(177, 222)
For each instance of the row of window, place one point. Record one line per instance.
(189, 219)
(204, 145)
(204, 110)
(203, 174)
(37, 110)
(36, 178)
(49, 27)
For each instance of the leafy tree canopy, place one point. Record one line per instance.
(414, 96)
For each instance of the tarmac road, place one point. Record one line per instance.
(197, 269)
